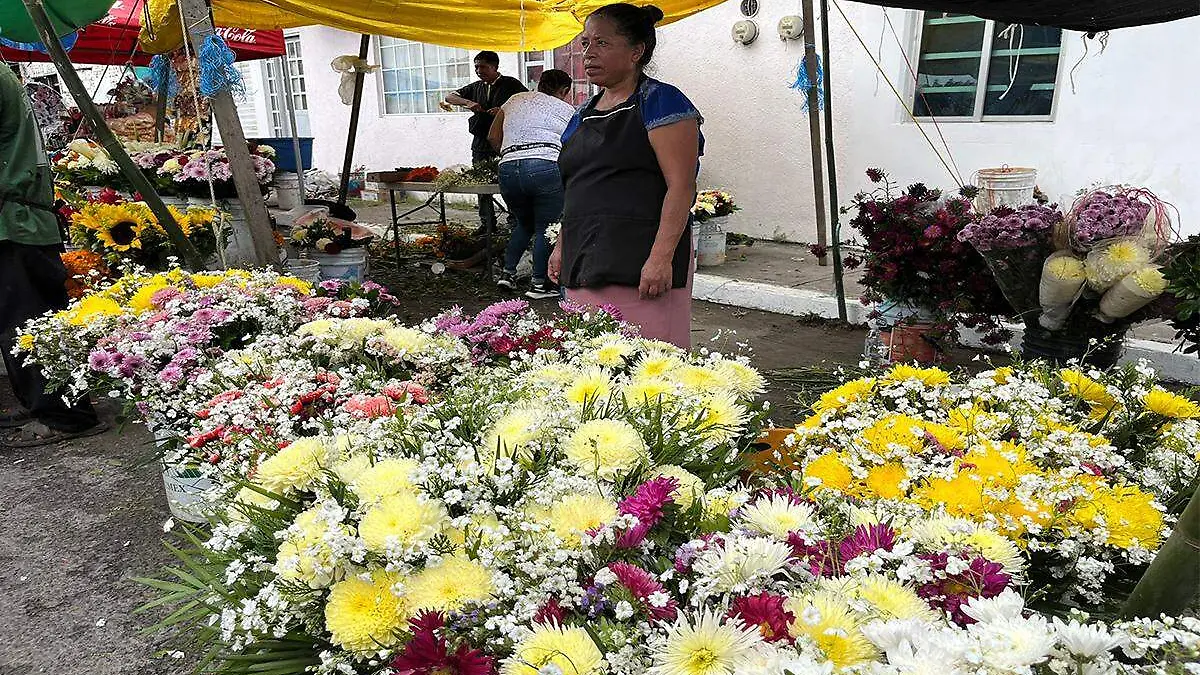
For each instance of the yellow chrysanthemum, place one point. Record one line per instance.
(930, 377)
(894, 434)
(612, 353)
(605, 448)
(886, 481)
(891, 599)
(851, 392)
(722, 417)
(90, 307)
(576, 514)
(386, 478)
(1002, 374)
(1000, 463)
(741, 378)
(248, 499)
(1083, 387)
(647, 390)
(1162, 402)
(690, 487)
(406, 340)
(305, 556)
(512, 432)
(142, 300)
(350, 468)
(828, 471)
(721, 501)
(403, 518)
(961, 495)
(569, 651)
(296, 466)
(589, 386)
(835, 628)
(302, 286)
(25, 342)
(1125, 512)
(207, 280)
(699, 379)
(450, 585)
(364, 616)
(657, 365)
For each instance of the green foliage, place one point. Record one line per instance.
(1183, 277)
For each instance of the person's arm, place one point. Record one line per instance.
(458, 98)
(496, 132)
(677, 147)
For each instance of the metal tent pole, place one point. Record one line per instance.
(37, 14)
(814, 125)
(835, 227)
(290, 106)
(364, 47)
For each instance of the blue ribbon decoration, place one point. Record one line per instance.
(803, 84)
(161, 71)
(217, 73)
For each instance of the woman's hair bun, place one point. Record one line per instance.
(653, 13)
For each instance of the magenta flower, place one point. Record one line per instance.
(642, 585)
(102, 361)
(949, 592)
(765, 613)
(866, 539)
(647, 505)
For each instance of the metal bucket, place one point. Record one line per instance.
(349, 265)
(1006, 186)
(710, 242)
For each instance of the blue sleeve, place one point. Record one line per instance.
(572, 126)
(664, 104)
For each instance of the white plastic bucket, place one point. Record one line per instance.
(349, 265)
(303, 268)
(1005, 186)
(187, 488)
(710, 242)
(287, 190)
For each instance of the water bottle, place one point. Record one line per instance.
(875, 352)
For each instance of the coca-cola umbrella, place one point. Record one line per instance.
(113, 40)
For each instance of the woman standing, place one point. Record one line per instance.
(528, 135)
(629, 162)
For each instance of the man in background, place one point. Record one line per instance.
(32, 275)
(483, 98)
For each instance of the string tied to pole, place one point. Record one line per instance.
(162, 72)
(217, 72)
(803, 84)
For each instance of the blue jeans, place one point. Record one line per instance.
(533, 191)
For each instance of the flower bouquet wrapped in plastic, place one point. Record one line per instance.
(1015, 243)
(1111, 260)
(1062, 280)
(1115, 212)
(1133, 292)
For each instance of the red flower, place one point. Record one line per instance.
(428, 654)
(369, 407)
(647, 504)
(550, 613)
(766, 613)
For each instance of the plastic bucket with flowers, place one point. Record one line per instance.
(187, 487)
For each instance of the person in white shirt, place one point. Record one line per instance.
(527, 133)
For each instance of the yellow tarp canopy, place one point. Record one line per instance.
(501, 25)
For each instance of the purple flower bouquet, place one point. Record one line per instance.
(1015, 244)
(1106, 214)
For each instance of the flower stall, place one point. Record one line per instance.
(338, 246)
(506, 492)
(1080, 278)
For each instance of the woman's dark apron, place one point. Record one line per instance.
(613, 200)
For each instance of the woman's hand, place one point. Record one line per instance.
(656, 278)
(554, 266)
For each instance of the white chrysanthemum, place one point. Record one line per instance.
(742, 560)
(1007, 605)
(1085, 640)
(777, 515)
(705, 645)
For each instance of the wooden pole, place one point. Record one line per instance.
(1172, 581)
(814, 126)
(290, 106)
(265, 253)
(160, 110)
(835, 226)
(37, 14)
(364, 47)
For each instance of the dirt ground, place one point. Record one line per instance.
(81, 519)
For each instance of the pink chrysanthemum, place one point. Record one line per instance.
(647, 505)
(764, 612)
(642, 585)
(866, 539)
(949, 592)
(428, 654)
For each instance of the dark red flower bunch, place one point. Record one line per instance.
(764, 612)
(427, 653)
(913, 255)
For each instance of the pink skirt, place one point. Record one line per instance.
(667, 317)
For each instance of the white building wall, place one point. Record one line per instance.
(1131, 118)
(384, 141)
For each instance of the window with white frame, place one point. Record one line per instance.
(1017, 65)
(568, 58)
(276, 91)
(416, 76)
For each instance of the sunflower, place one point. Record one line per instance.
(1162, 402)
(119, 227)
